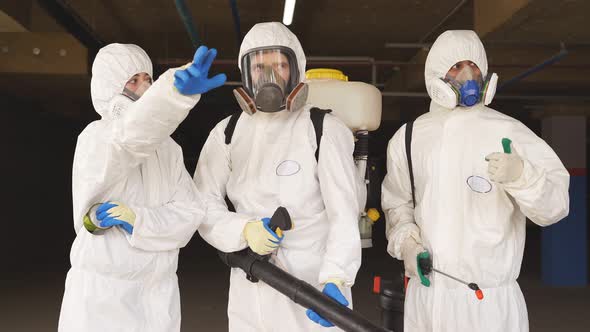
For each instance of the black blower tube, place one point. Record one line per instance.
(300, 292)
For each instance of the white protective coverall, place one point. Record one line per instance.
(270, 163)
(473, 228)
(121, 282)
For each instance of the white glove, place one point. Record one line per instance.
(504, 167)
(410, 251)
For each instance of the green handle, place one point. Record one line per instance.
(506, 145)
(423, 279)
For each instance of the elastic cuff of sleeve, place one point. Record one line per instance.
(336, 281)
(137, 226)
(529, 175)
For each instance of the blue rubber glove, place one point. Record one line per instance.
(334, 292)
(111, 214)
(193, 79)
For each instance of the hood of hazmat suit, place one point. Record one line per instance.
(113, 66)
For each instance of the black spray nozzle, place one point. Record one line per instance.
(281, 219)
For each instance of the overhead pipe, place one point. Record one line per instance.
(494, 44)
(361, 61)
(444, 20)
(405, 94)
(562, 53)
(408, 45)
(317, 60)
(333, 60)
(532, 44)
(341, 58)
(236, 17)
(74, 24)
(187, 20)
(369, 61)
(562, 98)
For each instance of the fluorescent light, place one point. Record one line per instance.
(288, 13)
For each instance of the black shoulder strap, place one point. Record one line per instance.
(317, 119)
(409, 129)
(231, 126)
(229, 132)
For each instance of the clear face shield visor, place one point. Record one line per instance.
(266, 67)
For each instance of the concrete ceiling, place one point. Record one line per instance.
(518, 35)
(324, 27)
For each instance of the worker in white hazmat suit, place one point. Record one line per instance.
(472, 196)
(269, 161)
(134, 202)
